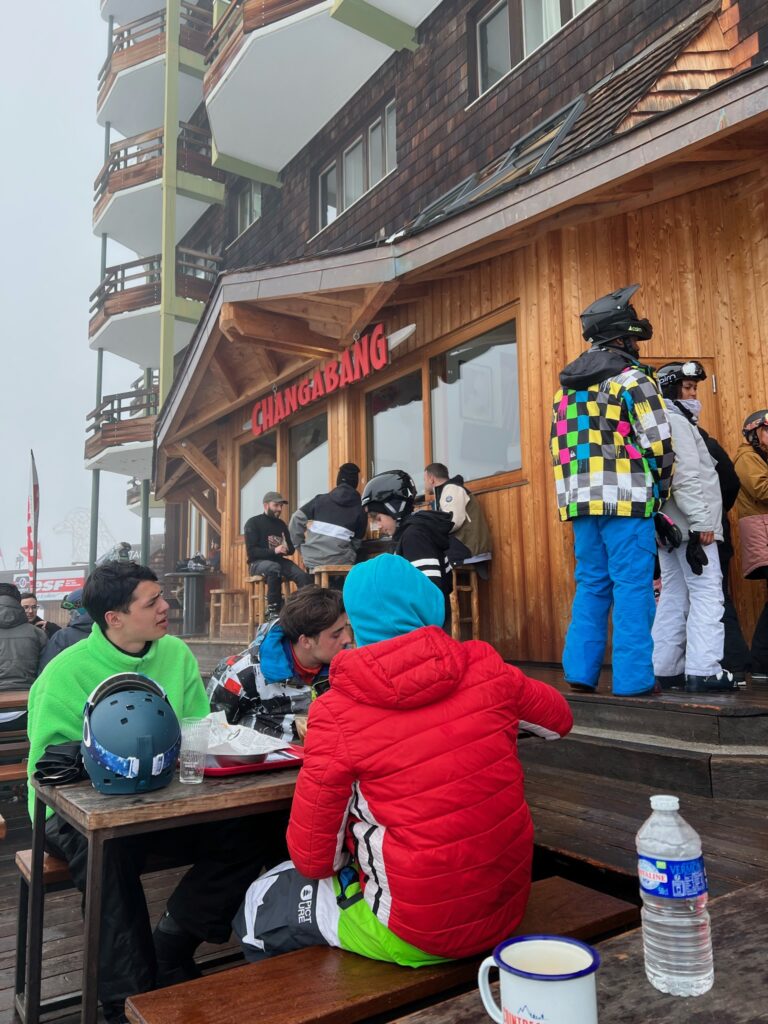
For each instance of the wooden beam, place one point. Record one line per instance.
(265, 361)
(283, 333)
(181, 470)
(375, 298)
(224, 374)
(204, 505)
(202, 465)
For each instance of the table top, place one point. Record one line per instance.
(90, 811)
(625, 996)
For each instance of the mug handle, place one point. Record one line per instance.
(492, 1008)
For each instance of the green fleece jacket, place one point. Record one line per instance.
(58, 696)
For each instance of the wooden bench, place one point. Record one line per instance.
(56, 877)
(329, 986)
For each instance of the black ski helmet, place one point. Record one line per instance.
(669, 377)
(392, 493)
(131, 735)
(751, 424)
(613, 317)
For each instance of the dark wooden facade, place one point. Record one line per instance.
(679, 205)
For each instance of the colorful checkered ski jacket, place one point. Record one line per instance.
(611, 441)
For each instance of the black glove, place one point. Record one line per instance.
(667, 532)
(60, 764)
(695, 554)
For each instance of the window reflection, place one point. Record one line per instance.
(308, 456)
(395, 427)
(258, 474)
(475, 405)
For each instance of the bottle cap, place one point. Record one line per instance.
(665, 803)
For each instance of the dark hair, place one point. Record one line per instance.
(26, 594)
(437, 469)
(348, 473)
(110, 588)
(309, 611)
(10, 590)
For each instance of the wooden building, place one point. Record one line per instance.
(629, 146)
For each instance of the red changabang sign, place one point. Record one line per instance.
(368, 354)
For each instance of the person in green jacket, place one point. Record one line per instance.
(129, 634)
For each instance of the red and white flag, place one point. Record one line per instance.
(33, 516)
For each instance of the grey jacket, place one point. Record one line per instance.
(21, 644)
(695, 501)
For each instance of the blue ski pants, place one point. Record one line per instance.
(614, 566)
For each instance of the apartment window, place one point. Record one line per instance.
(248, 206)
(507, 32)
(360, 165)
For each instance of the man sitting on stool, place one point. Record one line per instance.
(267, 542)
(329, 529)
(470, 539)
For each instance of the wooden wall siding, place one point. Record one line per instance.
(703, 262)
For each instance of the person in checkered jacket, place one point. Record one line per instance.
(612, 457)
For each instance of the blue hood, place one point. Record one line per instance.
(387, 597)
(275, 654)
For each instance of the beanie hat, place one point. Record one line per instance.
(10, 590)
(348, 473)
(387, 597)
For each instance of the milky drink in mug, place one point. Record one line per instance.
(544, 978)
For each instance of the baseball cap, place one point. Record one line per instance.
(274, 496)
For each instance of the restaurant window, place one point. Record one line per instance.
(507, 32)
(258, 474)
(394, 416)
(475, 405)
(308, 458)
(362, 162)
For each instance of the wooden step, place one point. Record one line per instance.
(328, 986)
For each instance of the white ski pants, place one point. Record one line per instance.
(688, 633)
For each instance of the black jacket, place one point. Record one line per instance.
(422, 539)
(730, 485)
(338, 524)
(263, 534)
(78, 629)
(20, 645)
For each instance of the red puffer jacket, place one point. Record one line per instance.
(411, 762)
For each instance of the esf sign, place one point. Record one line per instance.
(367, 355)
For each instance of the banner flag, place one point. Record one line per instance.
(33, 516)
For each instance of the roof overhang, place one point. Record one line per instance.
(670, 155)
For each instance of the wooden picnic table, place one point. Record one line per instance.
(625, 996)
(100, 818)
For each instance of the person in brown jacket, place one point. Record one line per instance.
(751, 463)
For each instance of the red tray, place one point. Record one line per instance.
(291, 757)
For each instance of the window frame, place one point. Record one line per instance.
(517, 50)
(362, 135)
(249, 188)
(419, 359)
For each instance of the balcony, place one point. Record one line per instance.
(121, 433)
(309, 58)
(127, 10)
(132, 78)
(125, 308)
(128, 193)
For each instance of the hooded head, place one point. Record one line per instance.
(348, 473)
(387, 597)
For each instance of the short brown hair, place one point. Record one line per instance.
(437, 469)
(309, 611)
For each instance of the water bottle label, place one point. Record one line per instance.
(672, 879)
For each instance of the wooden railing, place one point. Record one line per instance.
(137, 284)
(128, 405)
(139, 159)
(142, 34)
(247, 16)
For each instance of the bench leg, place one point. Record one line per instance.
(21, 940)
(34, 965)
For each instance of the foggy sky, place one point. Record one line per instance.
(52, 150)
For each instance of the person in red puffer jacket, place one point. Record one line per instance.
(410, 837)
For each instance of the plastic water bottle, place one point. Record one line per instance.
(673, 884)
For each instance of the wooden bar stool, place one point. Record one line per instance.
(225, 603)
(465, 582)
(323, 573)
(257, 601)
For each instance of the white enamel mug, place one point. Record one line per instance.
(543, 978)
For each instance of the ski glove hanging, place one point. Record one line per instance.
(667, 532)
(695, 554)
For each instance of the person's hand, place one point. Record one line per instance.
(707, 536)
(694, 554)
(301, 726)
(281, 549)
(667, 532)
